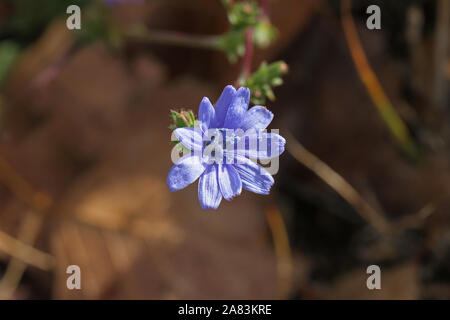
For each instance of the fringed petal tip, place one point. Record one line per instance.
(222, 105)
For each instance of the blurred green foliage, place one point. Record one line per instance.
(233, 44)
(30, 17)
(96, 26)
(244, 15)
(9, 51)
(264, 33)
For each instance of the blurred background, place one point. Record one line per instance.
(85, 152)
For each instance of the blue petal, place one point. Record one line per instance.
(237, 109)
(208, 189)
(229, 181)
(254, 177)
(261, 145)
(223, 104)
(257, 117)
(206, 114)
(190, 137)
(184, 172)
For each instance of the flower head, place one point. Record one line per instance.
(221, 147)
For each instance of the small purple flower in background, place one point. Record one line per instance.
(224, 179)
(115, 2)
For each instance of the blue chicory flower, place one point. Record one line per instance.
(226, 179)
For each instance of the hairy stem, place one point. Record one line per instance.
(248, 56)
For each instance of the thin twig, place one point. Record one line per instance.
(339, 184)
(416, 220)
(173, 38)
(30, 227)
(419, 218)
(282, 250)
(28, 233)
(394, 122)
(25, 253)
(22, 189)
